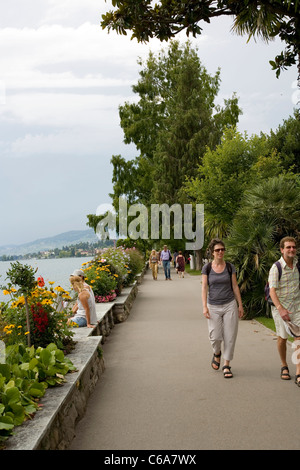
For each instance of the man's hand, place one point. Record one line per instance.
(284, 313)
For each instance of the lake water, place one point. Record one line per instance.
(57, 270)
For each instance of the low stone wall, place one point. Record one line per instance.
(53, 427)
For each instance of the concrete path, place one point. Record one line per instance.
(159, 391)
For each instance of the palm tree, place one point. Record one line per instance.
(268, 20)
(269, 211)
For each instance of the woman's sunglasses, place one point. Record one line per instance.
(219, 249)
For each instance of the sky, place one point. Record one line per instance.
(62, 80)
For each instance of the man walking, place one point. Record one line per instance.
(166, 257)
(285, 295)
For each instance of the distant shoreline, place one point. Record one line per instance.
(80, 250)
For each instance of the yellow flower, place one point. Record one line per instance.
(66, 296)
(6, 292)
(59, 289)
(51, 283)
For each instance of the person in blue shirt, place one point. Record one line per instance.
(165, 258)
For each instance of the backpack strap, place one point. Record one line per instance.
(278, 264)
(229, 269)
(208, 269)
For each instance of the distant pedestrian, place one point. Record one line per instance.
(166, 258)
(153, 264)
(285, 294)
(175, 254)
(220, 294)
(180, 264)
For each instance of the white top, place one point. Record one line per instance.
(92, 305)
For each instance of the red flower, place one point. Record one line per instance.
(40, 281)
(40, 317)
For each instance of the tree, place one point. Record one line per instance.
(269, 211)
(22, 277)
(171, 125)
(224, 175)
(286, 141)
(166, 18)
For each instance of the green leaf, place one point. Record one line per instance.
(19, 414)
(6, 423)
(13, 396)
(5, 371)
(46, 357)
(37, 389)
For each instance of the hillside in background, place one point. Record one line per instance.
(58, 241)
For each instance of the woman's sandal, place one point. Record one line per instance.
(215, 362)
(227, 374)
(285, 375)
(296, 380)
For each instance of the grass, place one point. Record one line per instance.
(268, 322)
(192, 272)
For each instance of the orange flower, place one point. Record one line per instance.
(40, 281)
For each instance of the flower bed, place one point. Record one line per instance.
(33, 330)
(46, 318)
(111, 270)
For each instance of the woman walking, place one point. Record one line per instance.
(222, 305)
(180, 264)
(153, 263)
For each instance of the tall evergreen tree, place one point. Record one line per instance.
(171, 125)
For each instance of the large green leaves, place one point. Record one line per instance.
(24, 379)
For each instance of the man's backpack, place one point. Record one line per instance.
(229, 269)
(267, 287)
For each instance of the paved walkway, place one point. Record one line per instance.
(159, 391)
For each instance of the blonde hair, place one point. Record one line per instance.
(77, 283)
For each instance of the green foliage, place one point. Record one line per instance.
(41, 313)
(23, 277)
(286, 141)
(171, 124)
(165, 19)
(225, 173)
(136, 264)
(24, 378)
(270, 211)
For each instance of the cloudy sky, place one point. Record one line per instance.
(62, 80)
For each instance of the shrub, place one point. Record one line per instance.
(136, 264)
